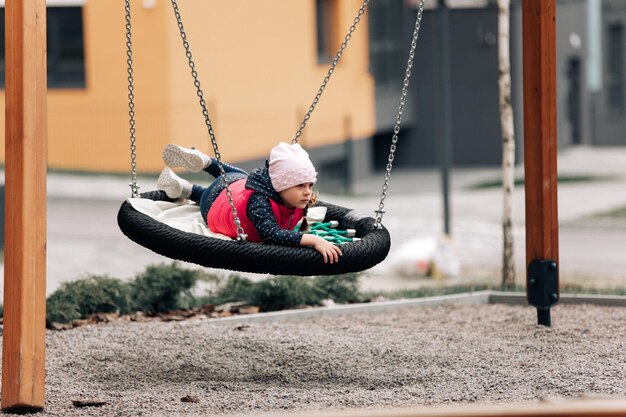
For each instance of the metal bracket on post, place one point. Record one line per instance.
(543, 288)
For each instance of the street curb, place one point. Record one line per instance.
(517, 298)
(471, 298)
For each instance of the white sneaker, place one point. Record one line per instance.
(193, 160)
(173, 185)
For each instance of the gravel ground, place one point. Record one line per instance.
(425, 356)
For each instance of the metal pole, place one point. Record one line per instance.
(445, 120)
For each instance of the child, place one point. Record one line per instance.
(270, 201)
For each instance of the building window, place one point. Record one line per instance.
(326, 22)
(66, 56)
(386, 41)
(615, 67)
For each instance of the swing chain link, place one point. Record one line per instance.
(331, 70)
(241, 235)
(131, 105)
(396, 129)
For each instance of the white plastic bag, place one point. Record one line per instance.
(445, 263)
(426, 257)
(414, 257)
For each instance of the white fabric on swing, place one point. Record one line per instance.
(182, 215)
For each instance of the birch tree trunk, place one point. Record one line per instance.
(508, 142)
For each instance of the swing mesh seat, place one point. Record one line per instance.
(257, 257)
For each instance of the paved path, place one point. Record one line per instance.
(83, 237)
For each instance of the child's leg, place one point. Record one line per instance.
(196, 193)
(213, 169)
(210, 193)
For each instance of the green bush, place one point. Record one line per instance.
(339, 288)
(284, 292)
(166, 287)
(158, 289)
(236, 288)
(163, 288)
(90, 295)
(62, 311)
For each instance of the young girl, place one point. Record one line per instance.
(270, 201)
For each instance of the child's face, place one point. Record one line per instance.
(297, 196)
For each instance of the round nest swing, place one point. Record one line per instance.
(257, 257)
(374, 243)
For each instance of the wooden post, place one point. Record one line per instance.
(24, 337)
(540, 143)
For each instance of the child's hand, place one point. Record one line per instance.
(330, 252)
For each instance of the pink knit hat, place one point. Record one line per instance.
(290, 166)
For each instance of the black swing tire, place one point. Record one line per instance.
(257, 257)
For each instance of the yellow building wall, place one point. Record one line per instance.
(257, 64)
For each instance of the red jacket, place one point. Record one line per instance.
(265, 228)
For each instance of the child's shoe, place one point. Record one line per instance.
(193, 160)
(173, 185)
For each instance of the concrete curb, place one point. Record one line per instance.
(480, 297)
(517, 298)
(471, 298)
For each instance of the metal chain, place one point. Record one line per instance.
(241, 236)
(396, 129)
(307, 116)
(131, 105)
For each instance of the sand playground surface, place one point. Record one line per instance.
(486, 354)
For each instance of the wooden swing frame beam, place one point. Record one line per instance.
(540, 146)
(24, 336)
(23, 358)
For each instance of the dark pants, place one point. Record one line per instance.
(205, 196)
